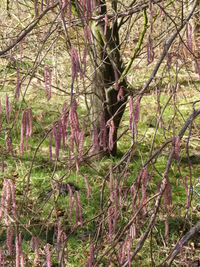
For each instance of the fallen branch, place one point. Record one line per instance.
(190, 234)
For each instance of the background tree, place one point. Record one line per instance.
(77, 79)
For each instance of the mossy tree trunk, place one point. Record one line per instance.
(108, 67)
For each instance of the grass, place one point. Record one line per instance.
(41, 213)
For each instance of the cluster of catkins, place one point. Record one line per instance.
(19, 255)
(9, 210)
(8, 198)
(59, 132)
(125, 247)
(8, 111)
(40, 5)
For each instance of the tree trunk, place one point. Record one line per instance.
(108, 67)
(196, 30)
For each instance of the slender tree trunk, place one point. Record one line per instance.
(196, 30)
(108, 67)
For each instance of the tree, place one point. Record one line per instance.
(70, 70)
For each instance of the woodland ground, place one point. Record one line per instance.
(39, 211)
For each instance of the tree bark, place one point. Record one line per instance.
(108, 66)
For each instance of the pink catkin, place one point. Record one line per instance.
(83, 18)
(75, 67)
(48, 255)
(84, 62)
(3, 198)
(120, 196)
(89, 10)
(64, 123)
(151, 15)
(87, 187)
(124, 250)
(77, 165)
(166, 230)
(14, 206)
(177, 147)
(70, 13)
(189, 36)
(27, 129)
(7, 203)
(106, 24)
(103, 133)
(111, 126)
(36, 250)
(115, 215)
(150, 52)
(144, 183)
(120, 95)
(8, 141)
(23, 126)
(81, 139)
(12, 58)
(30, 123)
(61, 9)
(22, 259)
(35, 7)
(74, 123)
(132, 231)
(129, 251)
(9, 238)
(167, 195)
(134, 196)
(47, 78)
(42, 5)
(1, 257)
(169, 59)
(7, 104)
(18, 85)
(50, 146)
(110, 223)
(87, 34)
(111, 185)
(184, 182)
(120, 254)
(137, 110)
(79, 207)
(76, 213)
(196, 66)
(2, 164)
(181, 248)
(130, 101)
(95, 139)
(70, 199)
(57, 136)
(59, 236)
(91, 260)
(17, 249)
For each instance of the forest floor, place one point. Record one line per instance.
(42, 207)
